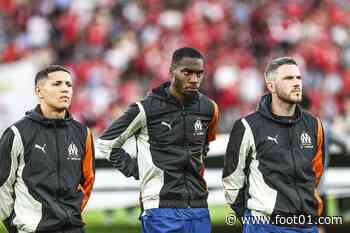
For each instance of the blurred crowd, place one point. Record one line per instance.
(119, 50)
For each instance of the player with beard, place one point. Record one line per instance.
(172, 126)
(274, 159)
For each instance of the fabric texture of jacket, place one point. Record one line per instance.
(172, 142)
(46, 173)
(273, 164)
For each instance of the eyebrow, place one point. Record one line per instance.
(61, 81)
(291, 76)
(191, 70)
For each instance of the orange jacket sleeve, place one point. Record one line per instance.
(212, 127)
(318, 165)
(88, 167)
(318, 160)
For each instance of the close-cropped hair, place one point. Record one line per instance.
(185, 52)
(275, 63)
(44, 73)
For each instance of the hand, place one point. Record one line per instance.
(121, 160)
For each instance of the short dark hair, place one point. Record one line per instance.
(185, 52)
(44, 73)
(277, 62)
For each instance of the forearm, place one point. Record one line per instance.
(116, 135)
(122, 161)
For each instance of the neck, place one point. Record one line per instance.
(282, 108)
(176, 94)
(51, 113)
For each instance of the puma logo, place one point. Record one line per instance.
(42, 148)
(166, 124)
(274, 139)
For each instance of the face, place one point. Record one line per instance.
(55, 92)
(287, 84)
(187, 76)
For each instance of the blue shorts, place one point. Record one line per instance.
(176, 220)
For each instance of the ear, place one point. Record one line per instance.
(38, 92)
(171, 71)
(270, 85)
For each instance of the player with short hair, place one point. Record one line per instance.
(46, 162)
(275, 156)
(173, 126)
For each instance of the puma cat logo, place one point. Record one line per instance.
(42, 148)
(274, 139)
(166, 124)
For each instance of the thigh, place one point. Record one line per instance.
(161, 224)
(202, 225)
(254, 228)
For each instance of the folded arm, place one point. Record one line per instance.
(111, 142)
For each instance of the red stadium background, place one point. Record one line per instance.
(118, 50)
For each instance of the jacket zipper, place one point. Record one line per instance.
(58, 165)
(58, 175)
(188, 156)
(294, 166)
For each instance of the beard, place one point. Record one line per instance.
(290, 98)
(179, 86)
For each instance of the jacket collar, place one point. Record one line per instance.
(163, 92)
(37, 116)
(264, 108)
